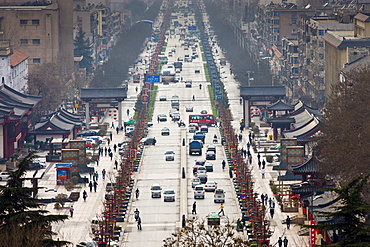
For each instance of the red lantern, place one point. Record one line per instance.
(291, 193)
(294, 197)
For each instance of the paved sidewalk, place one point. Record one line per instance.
(261, 184)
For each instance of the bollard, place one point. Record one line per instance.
(183, 220)
(183, 141)
(183, 172)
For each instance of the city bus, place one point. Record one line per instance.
(202, 119)
(136, 78)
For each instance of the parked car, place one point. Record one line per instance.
(89, 144)
(199, 192)
(210, 186)
(156, 190)
(219, 196)
(88, 133)
(210, 155)
(188, 83)
(162, 118)
(97, 139)
(148, 141)
(4, 176)
(36, 166)
(195, 182)
(169, 155)
(165, 131)
(169, 195)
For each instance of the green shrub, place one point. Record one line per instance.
(69, 185)
(74, 180)
(61, 200)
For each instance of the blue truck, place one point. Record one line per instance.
(199, 136)
(195, 148)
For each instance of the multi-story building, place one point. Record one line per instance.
(342, 47)
(13, 67)
(312, 61)
(42, 30)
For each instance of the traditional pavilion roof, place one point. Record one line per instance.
(310, 166)
(280, 106)
(288, 120)
(14, 104)
(302, 118)
(70, 115)
(301, 106)
(60, 121)
(325, 202)
(304, 132)
(102, 93)
(258, 91)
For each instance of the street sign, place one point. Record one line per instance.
(153, 78)
(219, 97)
(192, 28)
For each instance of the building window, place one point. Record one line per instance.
(276, 22)
(276, 30)
(294, 31)
(295, 70)
(294, 60)
(36, 41)
(36, 60)
(23, 22)
(24, 41)
(276, 13)
(35, 22)
(321, 32)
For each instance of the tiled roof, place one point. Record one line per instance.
(306, 130)
(17, 57)
(362, 17)
(280, 106)
(345, 39)
(255, 91)
(310, 166)
(102, 93)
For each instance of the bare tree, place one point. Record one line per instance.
(196, 233)
(343, 145)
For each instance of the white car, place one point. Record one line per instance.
(210, 186)
(155, 190)
(219, 196)
(4, 176)
(162, 98)
(195, 182)
(169, 155)
(199, 191)
(169, 195)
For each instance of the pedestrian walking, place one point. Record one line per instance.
(285, 241)
(128, 112)
(244, 153)
(249, 153)
(111, 136)
(96, 176)
(139, 224)
(84, 195)
(194, 211)
(90, 186)
(259, 157)
(240, 136)
(221, 209)
(112, 125)
(259, 164)
(103, 172)
(111, 155)
(266, 199)
(262, 198)
(115, 148)
(272, 211)
(116, 164)
(263, 164)
(223, 164)
(106, 151)
(99, 151)
(117, 130)
(280, 242)
(91, 174)
(137, 193)
(97, 162)
(108, 141)
(71, 209)
(270, 203)
(250, 159)
(263, 173)
(137, 214)
(287, 221)
(248, 146)
(95, 185)
(109, 150)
